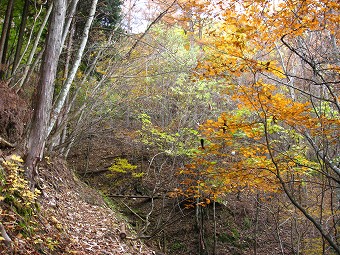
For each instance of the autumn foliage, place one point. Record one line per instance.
(280, 129)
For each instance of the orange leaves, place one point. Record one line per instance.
(244, 148)
(268, 102)
(248, 147)
(249, 27)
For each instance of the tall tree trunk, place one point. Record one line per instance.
(69, 19)
(21, 53)
(34, 48)
(5, 27)
(63, 116)
(5, 36)
(21, 35)
(66, 88)
(41, 116)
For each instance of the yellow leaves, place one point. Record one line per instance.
(15, 186)
(17, 158)
(254, 29)
(79, 74)
(266, 100)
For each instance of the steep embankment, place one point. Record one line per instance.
(72, 219)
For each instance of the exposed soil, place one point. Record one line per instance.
(14, 115)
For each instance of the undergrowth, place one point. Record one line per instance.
(19, 212)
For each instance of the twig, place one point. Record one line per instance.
(140, 217)
(160, 16)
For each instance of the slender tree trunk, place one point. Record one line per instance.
(21, 35)
(6, 28)
(290, 77)
(256, 228)
(200, 229)
(63, 116)
(215, 229)
(66, 88)
(34, 48)
(69, 19)
(73, 139)
(41, 116)
(21, 55)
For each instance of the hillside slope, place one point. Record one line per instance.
(73, 219)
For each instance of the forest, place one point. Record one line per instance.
(203, 127)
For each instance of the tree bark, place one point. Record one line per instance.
(66, 88)
(21, 54)
(42, 110)
(59, 137)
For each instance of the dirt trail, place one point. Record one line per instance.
(81, 213)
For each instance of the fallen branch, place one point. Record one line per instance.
(97, 171)
(132, 211)
(122, 233)
(7, 240)
(4, 143)
(134, 196)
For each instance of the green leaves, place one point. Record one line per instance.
(181, 143)
(122, 165)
